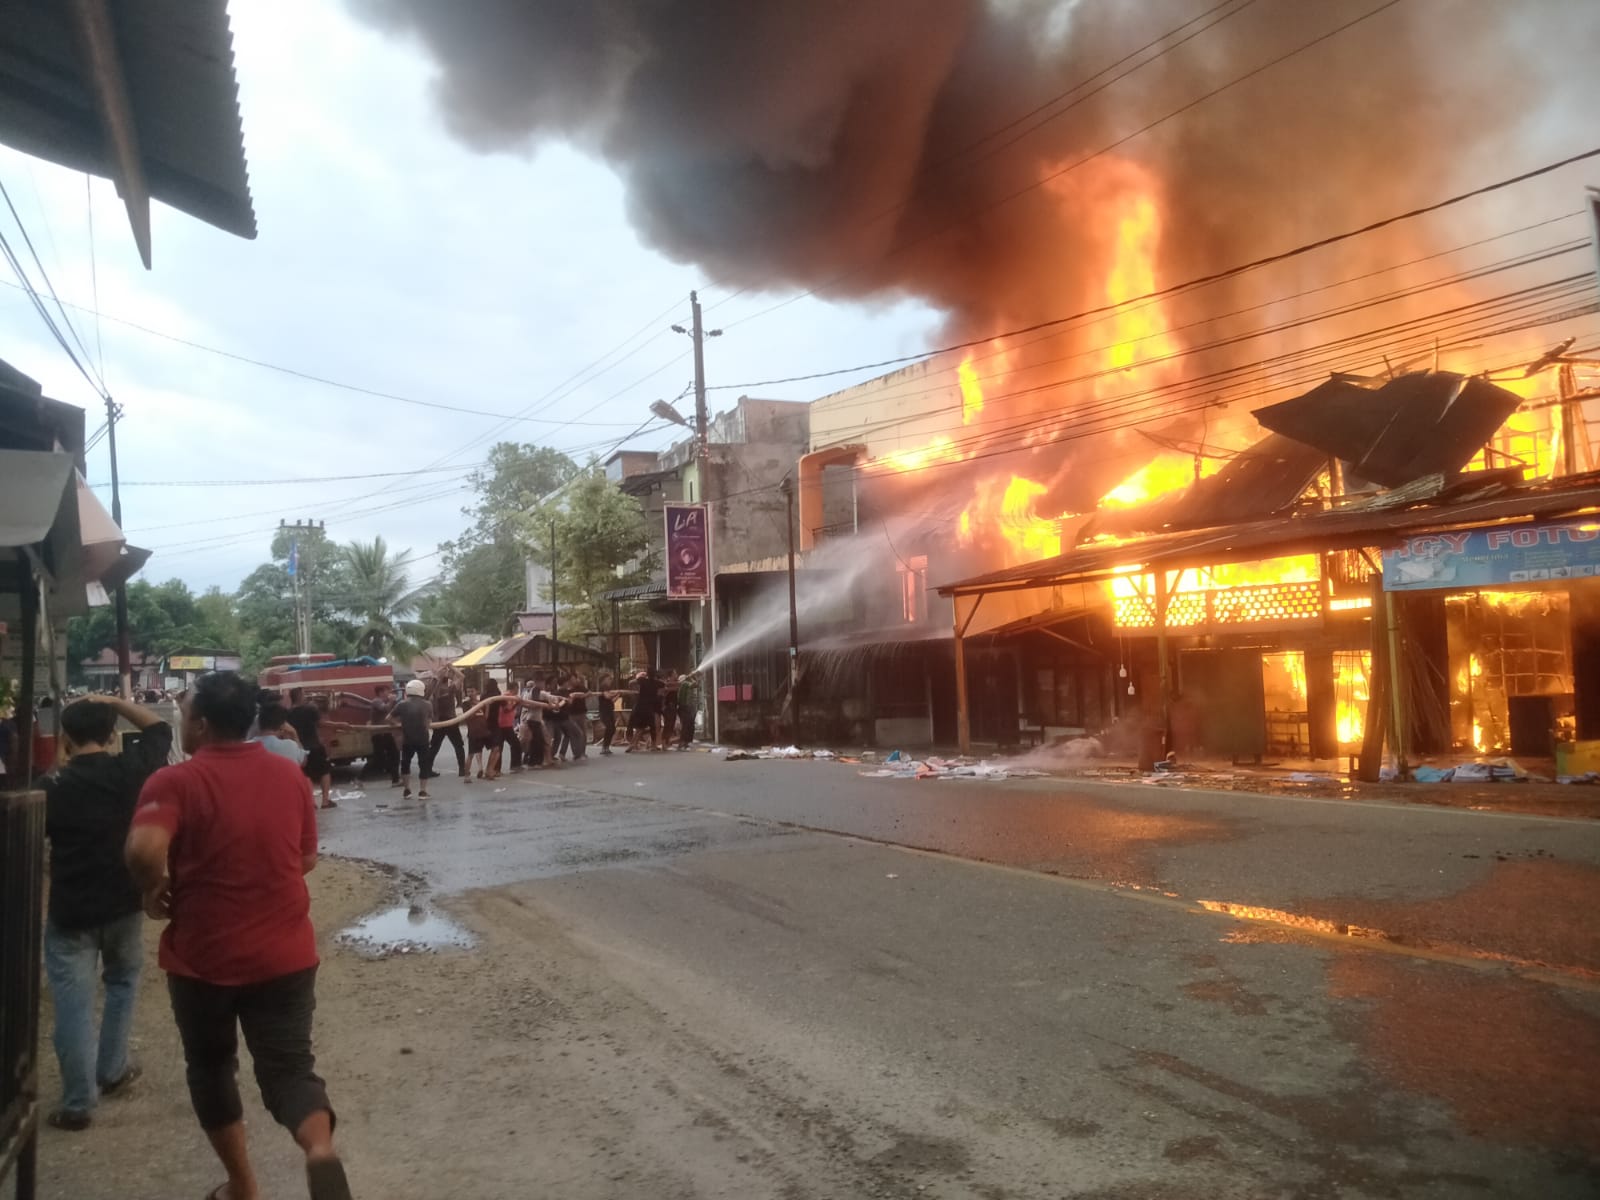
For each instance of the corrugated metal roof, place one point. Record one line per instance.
(1419, 424)
(1268, 477)
(177, 64)
(473, 658)
(1336, 529)
(655, 589)
(530, 650)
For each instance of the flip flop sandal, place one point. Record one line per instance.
(326, 1180)
(69, 1121)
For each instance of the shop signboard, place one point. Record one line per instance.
(688, 551)
(1541, 553)
(188, 662)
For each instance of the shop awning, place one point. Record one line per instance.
(474, 658)
(530, 650)
(31, 483)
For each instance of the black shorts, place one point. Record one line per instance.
(477, 743)
(316, 764)
(275, 1016)
(642, 717)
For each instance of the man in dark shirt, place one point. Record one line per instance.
(412, 716)
(385, 750)
(95, 918)
(688, 708)
(646, 707)
(575, 717)
(446, 696)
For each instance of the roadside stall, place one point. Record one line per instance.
(1516, 634)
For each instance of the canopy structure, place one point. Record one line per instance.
(53, 529)
(474, 658)
(532, 650)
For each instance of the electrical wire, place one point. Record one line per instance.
(907, 391)
(909, 388)
(1176, 288)
(94, 380)
(1158, 403)
(994, 445)
(965, 219)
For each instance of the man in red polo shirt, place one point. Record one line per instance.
(221, 844)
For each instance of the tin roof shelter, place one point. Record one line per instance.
(531, 651)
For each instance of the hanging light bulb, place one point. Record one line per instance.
(1130, 687)
(1122, 671)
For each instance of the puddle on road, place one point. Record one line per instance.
(406, 929)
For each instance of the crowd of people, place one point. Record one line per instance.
(545, 722)
(217, 848)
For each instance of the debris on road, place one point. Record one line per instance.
(900, 767)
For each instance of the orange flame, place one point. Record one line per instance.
(1029, 535)
(1351, 670)
(940, 449)
(971, 391)
(1139, 329)
(1167, 472)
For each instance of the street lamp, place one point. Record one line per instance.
(666, 412)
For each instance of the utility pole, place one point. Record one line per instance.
(302, 594)
(553, 627)
(124, 651)
(794, 619)
(708, 605)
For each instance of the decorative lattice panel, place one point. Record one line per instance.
(1255, 605)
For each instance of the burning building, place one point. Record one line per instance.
(1145, 224)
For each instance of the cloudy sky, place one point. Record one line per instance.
(392, 258)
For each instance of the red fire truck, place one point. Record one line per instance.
(347, 683)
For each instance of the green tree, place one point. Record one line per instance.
(218, 620)
(161, 618)
(602, 542)
(481, 572)
(264, 603)
(381, 599)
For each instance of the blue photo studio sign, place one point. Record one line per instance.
(1539, 553)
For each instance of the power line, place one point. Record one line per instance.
(1156, 403)
(898, 393)
(312, 377)
(1013, 439)
(1186, 285)
(94, 269)
(97, 383)
(967, 217)
(956, 155)
(279, 481)
(34, 298)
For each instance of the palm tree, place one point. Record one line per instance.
(382, 599)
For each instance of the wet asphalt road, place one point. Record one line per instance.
(1397, 1001)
